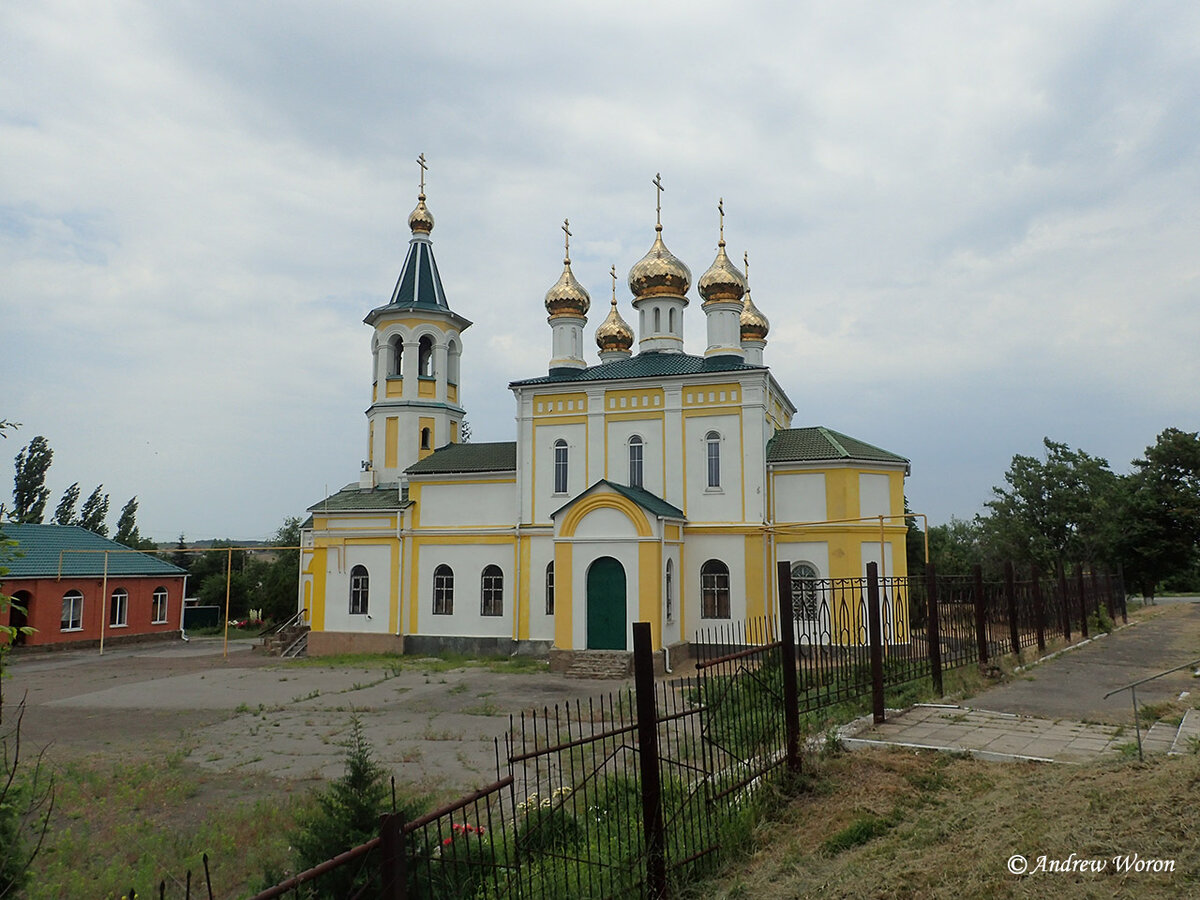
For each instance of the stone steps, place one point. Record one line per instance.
(275, 644)
(599, 664)
(1187, 737)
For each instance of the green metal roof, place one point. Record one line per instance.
(650, 502)
(499, 456)
(40, 547)
(352, 498)
(644, 365)
(820, 443)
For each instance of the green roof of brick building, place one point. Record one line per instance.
(820, 443)
(40, 547)
(499, 456)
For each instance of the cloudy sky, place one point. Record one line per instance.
(970, 224)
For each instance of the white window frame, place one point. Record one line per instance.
(491, 591)
(669, 593)
(159, 606)
(443, 590)
(712, 459)
(637, 464)
(550, 588)
(360, 591)
(561, 466)
(118, 609)
(73, 621)
(714, 584)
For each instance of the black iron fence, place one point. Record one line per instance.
(638, 792)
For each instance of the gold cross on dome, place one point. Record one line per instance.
(658, 201)
(566, 227)
(746, 263)
(721, 212)
(612, 270)
(421, 163)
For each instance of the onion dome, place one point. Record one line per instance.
(420, 220)
(754, 324)
(722, 283)
(659, 272)
(614, 333)
(567, 297)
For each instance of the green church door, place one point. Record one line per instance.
(606, 605)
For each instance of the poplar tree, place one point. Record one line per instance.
(64, 513)
(94, 511)
(29, 482)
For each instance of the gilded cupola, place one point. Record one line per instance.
(659, 272)
(754, 325)
(722, 283)
(420, 220)
(614, 337)
(567, 297)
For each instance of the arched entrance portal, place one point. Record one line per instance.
(18, 614)
(606, 605)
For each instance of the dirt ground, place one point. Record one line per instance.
(253, 714)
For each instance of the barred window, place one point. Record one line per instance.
(443, 591)
(714, 590)
(804, 590)
(492, 592)
(359, 591)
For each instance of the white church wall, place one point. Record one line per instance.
(651, 433)
(724, 502)
(546, 500)
(874, 495)
(480, 504)
(467, 562)
(729, 549)
(814, 552)
(800, 497)
(541, 623)
(378, 562)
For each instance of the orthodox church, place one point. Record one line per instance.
(651, 485)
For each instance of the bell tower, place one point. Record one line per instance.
(416, 347)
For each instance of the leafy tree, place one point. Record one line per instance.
(1053, 510)
(29, 482)
(64, 513)
(127, 530)
(281, 582)
(94, 511)
(955, 547)
(1159, 532)
(914, 543)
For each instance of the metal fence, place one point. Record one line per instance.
(641, 791)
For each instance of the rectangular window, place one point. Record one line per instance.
(158, 607)
(72, 612)
(119, 609)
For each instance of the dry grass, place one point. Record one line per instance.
(905, 824)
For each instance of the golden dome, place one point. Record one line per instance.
(614, 332)
(659, 272)
(754, 324)
(568, 297)
(420, 220)
(722, 283)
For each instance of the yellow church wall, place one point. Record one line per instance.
(548, 405)
(395, 599)
(524, 563)
(316, 568)
(430, 423)
(563, 600)
(391, 441)
(452, 393)
(649, 588)
(426, 387)
(394, 386)
(756, 576)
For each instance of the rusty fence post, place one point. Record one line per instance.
(647, 731)
(1062, 599)
(393, 858)
(1039, 607)
(875, 635)
(981, 637)
(1083, 626)
(787, 658)
(933, 629)
(1010, 595)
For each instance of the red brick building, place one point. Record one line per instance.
(76, 586)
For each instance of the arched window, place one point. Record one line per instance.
(657, 320)
(635, 461)
(396, 355)
(72, 611)
(550, 589)
(804, 590)
(492, 592)
(560, 466)
(425, 357)
(452, 362)
(443, 591)
(712, 442)
(671, 320)
(118, 609)
(714, 590)
(669, 596)
(359, 591)
(158, 606)
(425, 439)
